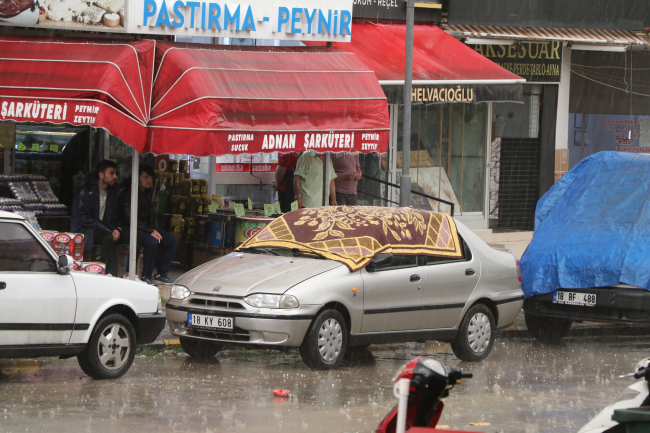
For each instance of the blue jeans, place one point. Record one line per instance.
(150, 245)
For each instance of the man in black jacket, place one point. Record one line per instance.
(93, 213)
(149, 235)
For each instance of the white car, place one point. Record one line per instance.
(46, 310)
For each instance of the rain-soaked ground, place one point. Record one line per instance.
(521, 387)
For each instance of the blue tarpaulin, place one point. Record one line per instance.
(592, 228)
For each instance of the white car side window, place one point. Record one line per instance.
(21, 252)
(399, 262)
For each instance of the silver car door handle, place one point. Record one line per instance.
(3, 285)
(415, 278)
(470, 272)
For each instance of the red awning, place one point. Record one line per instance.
(233, 100)
(438, 59)
(98, 83)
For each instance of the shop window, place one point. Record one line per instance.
(448, 143)
(21, 252)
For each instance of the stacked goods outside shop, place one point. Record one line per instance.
(206, 225)
(31, 197)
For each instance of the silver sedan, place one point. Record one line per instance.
(275, 297)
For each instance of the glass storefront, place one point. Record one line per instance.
(448, 159)
(448, 146)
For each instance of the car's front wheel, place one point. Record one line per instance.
(325, 342)
(201, 350)
(111, 348)
(476, 335)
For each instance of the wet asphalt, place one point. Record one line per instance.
(521, 387)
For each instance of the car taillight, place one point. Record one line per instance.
(518, 272)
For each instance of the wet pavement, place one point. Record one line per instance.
(521, 387)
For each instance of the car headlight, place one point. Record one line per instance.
(180, 292)
(263, 300)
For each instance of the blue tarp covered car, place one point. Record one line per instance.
(589, 258)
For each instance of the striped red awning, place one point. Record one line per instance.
(233, 100)
(98, 83)
(578, 36)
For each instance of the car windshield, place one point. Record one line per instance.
(294, 252)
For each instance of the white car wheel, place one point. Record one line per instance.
(479, 333)
(325, 342)
(111, 348)
(330, 340)
(475, 335)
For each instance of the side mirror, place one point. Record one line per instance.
(382, 259)
(64, 265)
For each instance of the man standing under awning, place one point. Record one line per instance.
(348, 173)
(308, 180)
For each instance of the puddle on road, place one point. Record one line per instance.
(521, 387)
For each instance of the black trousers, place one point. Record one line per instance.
(107, 247)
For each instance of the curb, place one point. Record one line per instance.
(160, 344)
(582, 330)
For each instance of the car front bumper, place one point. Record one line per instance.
(149, 327)
(613, 305)
(260, 327)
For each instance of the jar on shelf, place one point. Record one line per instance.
(186, 187)
(190, 229)
(196, 205)
(203, 185)
(173, 166)
(173, 205)
(195, 186)
(184, 166)
(202, 231)
(183, 206)
(219, 200)
(177, 226)
(207, 201)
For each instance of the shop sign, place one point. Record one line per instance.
(311, 20)
(334, 141)
(26, 110)
(396, 10)
(456, 94)
(443, 94)
(607, 132)
(536, 62)
(162, 163)
(96, 15)
(245, 168)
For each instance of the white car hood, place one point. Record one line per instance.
(242, 274)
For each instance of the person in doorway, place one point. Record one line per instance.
(284, 179)
(348, 173)
(94, 215)
(150, 237)
(308, 180)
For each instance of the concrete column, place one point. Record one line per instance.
(562, 124)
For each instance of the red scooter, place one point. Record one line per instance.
(420, 386)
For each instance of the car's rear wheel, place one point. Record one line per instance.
(326, 341)
(111, 348)
(476, 335)
(201, 350)
(546, 330)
